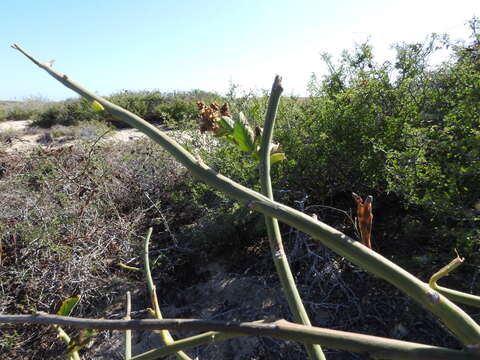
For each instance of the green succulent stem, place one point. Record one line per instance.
(164, 334)
(128, 333)
(273, 230)
(373, 347)
(453, 295)
(64, 336)
(185, 344)
(454, 318)
(209, 337)
(127, 267)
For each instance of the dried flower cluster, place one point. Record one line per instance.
(209, 115)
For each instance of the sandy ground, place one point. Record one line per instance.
(14, 136)
(17, 136)
(13, 125)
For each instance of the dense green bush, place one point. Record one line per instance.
(439, 165)
(175, 110)
(140, 103)
(400, 127)
(48, 117)
(176, 113)
(68, 112)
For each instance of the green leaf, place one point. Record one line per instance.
(68, 305)
(243, 135)
(277, 157)
(97, 106)
(227, 124)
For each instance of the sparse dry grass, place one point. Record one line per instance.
(22, 136)
(68, 217)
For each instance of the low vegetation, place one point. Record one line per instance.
(170, 109)
(23, 110)
(403, 131)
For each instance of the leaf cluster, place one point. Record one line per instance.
(235, 130)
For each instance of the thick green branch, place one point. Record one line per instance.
(453, 295)
(452, 316)
(274, 236)
(167, 338)
(208, 337)
(375, 347)
(64, 336)
(267, 137)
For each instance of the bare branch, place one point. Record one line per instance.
(376, 347)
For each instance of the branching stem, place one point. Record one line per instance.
(453, 295)
(274, 236)
(454, 318)
(375, 347)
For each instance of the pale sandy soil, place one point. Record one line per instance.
(17, 136)
(14, 136)
(13, 125)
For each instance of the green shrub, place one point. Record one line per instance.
(140, 103)
(175, 109)
(19, 113)
(68, 112)
(438, 165)
(172, 109)
(176, 113)
(399, 127)
(22, 110)
(48, 117)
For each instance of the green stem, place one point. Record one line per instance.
(130, 268)
(64, 336)
(188, 343)
(164, 334)
(371, 346)
(453, 295)
(451, 315)
(128, 333)
(273, 230)
(172, 346)
(185, 344)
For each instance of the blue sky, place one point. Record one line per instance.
(170, 45)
